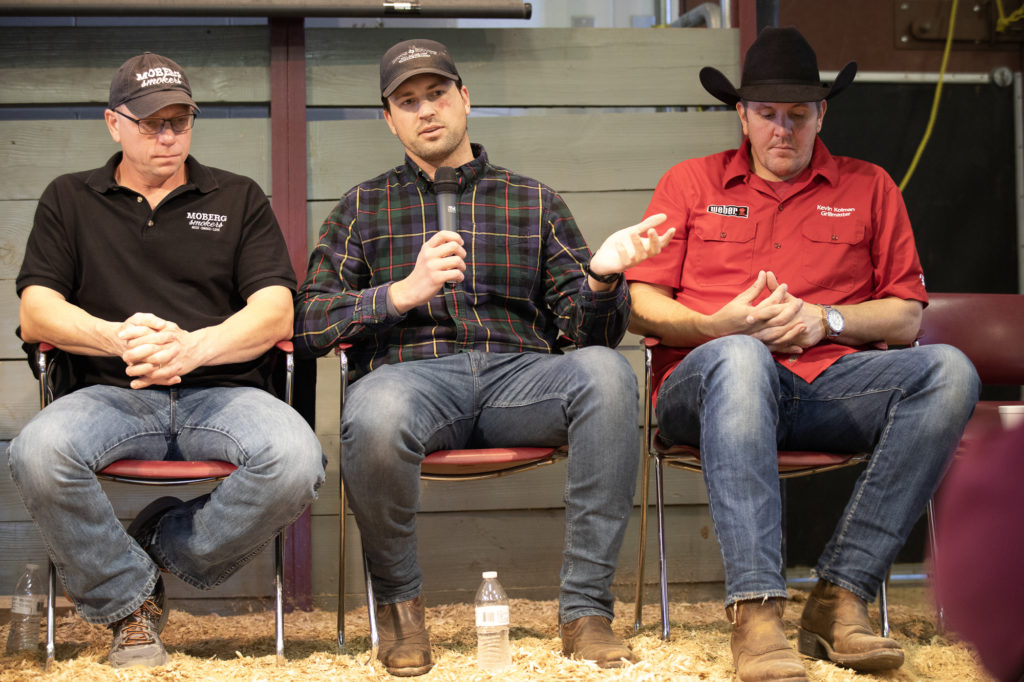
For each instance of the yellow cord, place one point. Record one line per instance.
(1004, 21)
(935, 101)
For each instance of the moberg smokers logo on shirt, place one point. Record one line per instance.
(207, 222)
(158, 76)
(730, 211)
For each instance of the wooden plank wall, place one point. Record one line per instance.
(599, 114)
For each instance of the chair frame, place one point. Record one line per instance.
(471, 464)
(169, 473)
(791, 464)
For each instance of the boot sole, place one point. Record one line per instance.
(815, 646)
(409, 672)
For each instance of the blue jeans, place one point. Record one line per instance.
(397, 414)
(907, 407)
(104, 571)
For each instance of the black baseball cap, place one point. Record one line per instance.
(413, 57)
(147, 83)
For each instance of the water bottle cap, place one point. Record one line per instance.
(490, 575)
(31, 567)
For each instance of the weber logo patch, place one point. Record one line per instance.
(731, 211)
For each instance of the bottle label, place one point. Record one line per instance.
(491, 615)
(26, 606)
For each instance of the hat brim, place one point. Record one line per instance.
(152, 102)
(393, 85)
(715, 82)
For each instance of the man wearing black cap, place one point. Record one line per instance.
(456, 344)
(790, 271)
(168, 282)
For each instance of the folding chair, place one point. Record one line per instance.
(987, 328)
(791, 464)
(166, 473)
(443, 465)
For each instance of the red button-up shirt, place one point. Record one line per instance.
(839, 234)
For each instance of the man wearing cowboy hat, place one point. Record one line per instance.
(791, 269)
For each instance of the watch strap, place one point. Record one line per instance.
(603, 279)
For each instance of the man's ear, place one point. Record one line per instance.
(111, 120)
(741, 111)
(391, 126)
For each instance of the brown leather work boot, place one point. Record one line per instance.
(404, 643)
(590, 638)
(760, 651)
(835, 627)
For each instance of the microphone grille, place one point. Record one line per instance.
(445, 180)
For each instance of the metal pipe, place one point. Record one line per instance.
(913, 77)
(705, 14)
(466, 9)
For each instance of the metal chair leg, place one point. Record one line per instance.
(371, 611)
(279, 596)
(883, 606)
(51, 612)
(930, 513)
(662, 563)
(642, 546)
(341, 569)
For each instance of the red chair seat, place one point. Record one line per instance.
(482, 460)
(168, 470)
(790, 461)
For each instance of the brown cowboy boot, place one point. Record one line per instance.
(760, 651)
(404, 643)
(835, 627)
(590, 638)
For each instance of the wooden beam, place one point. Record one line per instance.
(288, 134)
(288, 193)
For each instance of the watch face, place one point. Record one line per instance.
(835, 321)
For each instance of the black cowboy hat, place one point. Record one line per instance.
(779, 67)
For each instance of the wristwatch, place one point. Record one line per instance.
(832, 321)
(603, 279)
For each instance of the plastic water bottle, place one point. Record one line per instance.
(26, 611)
(493, 653)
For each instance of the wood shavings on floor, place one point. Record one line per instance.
(242, 647)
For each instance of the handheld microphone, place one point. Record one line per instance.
(446, 184)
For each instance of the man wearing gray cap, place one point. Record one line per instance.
(791, 271)
(455, 337)
(167, 282)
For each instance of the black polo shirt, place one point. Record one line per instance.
(193, 260)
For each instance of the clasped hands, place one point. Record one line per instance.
(781, 321)
(156, 351)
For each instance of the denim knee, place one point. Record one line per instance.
(298, 463)
(35, 458)
(377, 420)
(950, 368)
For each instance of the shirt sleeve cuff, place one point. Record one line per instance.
(375, 307)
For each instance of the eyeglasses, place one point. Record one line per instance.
(153, 126)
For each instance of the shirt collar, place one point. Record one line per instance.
(822, 163)
(468, 173)
(200, 178)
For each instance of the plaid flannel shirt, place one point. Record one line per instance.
(524, 281)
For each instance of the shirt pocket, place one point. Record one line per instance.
(721, 250)
(835, 254)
